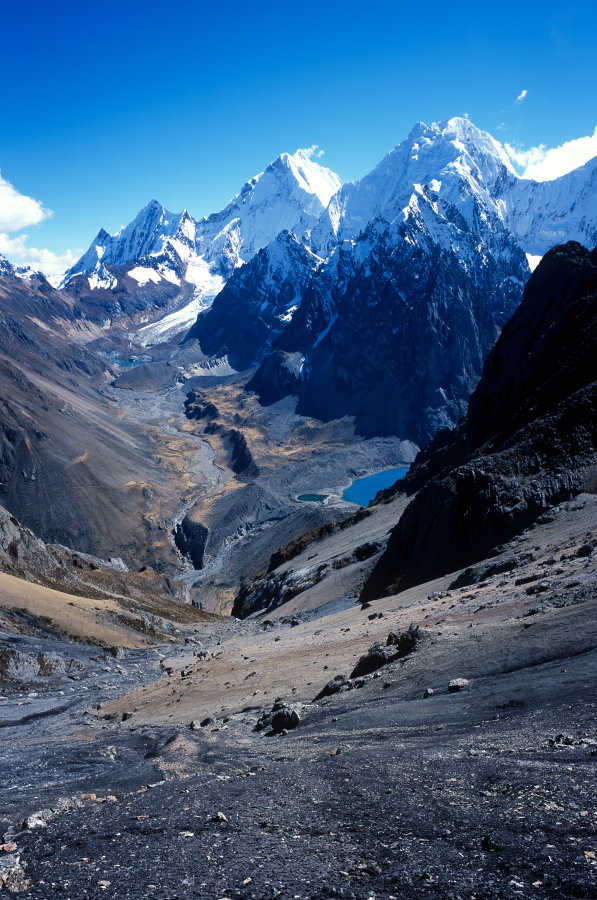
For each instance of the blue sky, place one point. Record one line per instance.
(107, 105)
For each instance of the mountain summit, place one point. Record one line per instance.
(290, 195)
(189, 260)
(447, 157)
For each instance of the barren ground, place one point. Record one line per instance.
(484, 793)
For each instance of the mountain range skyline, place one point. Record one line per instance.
(93, 140)
(18, 211)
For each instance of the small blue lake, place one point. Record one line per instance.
(126, 363)
(312, 498)
(364, 489)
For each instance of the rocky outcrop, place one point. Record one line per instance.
(233, 446)
(191, 537)
(527, 443)
(196, 409)
(283, 717)
(271, 591)
(26, 557)
(397, 646)
(285, 554)
(20, 667)
(278, 376)
(21, 552)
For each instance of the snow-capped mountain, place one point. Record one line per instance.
(395, 327)
(8, 268)
(543, 214)
(159, 246)
(377, 299)
(290, 195)
(424, 261)
(149, 234)
(454, 159)
(469, 168)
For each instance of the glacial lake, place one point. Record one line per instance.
(364, 489)
(126, 363)
(312, 498)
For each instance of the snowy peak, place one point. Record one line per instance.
(147, 234)
(454, 147)
(545, 213)
(8, 269)
(480, 145)
(310, 176)
(290, 195)
(454, 158)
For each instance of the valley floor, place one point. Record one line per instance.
(487, 792)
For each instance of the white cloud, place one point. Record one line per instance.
(51, 264)
(17, 210)
(20, 211)
(524, 158)
(521, 96)
(544, 164)
(313, 151)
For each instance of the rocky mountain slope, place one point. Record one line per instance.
(71, 468)
(50, 589)
(257, 303)
(424, 281)
(529, 440)
(441, 772)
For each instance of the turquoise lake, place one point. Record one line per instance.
(364, 489)
(124, 363)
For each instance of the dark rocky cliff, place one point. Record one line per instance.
(528, 441)
(256, 303)
(394, 329)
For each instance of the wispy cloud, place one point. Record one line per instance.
(313, 151)
(19, 211)
(51, 264)
(521, 96)
(544, 164)
(525, 158)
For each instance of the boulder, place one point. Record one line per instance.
(397, 646)
(337, 684)
(282, 717)
(376, 657)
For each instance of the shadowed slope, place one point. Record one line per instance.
(527, 443)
